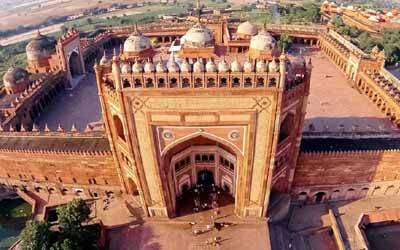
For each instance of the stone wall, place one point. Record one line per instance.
(59, 172)
(347, 175)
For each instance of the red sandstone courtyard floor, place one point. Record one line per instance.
(333, 102)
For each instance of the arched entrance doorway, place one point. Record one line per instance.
(75, 65)
(205, 178)
(319, 197)
(201, 174)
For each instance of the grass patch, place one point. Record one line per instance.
(13, 215)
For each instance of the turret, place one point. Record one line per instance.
(282, 69)
(116, 70)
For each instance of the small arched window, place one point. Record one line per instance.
(149, 83)
(138, 83)
(272, 82)
(126, 84)
(119, 128)
(198, 83)
(161, 82)
(260, 82)
(223, 82)
(248, 82)
(236, 82)
(173, 83)
(210, 82)
(185, 83)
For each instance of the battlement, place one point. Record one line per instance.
(329, 146)
(56, 142)
(69, 36)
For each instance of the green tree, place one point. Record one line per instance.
(74, 235)
(72, 215)
(66, 244)
(89, 20)
(285, 42)
(391, 45)
(337, 22)
(312, 12)
(35, 236)
(365, 42)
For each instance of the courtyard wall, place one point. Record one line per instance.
(346, 175)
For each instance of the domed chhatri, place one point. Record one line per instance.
(137, 46)
(41, 47)
(199, 36)
(246, 30)
(198, 42)
(15, 80)
(263, 46)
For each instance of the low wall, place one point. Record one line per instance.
(347, 175)
(336, 231)
(28, 199)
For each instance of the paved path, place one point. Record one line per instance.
(167, 236)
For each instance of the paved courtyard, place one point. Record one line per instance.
(333, 102)
(80, 106)
(174, 236)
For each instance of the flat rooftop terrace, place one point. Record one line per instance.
(333, 103)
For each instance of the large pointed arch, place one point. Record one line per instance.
(227, 145)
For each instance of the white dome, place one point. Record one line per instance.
(160, 67)
(149, 67)
(263, 41)
(199, 36)
(172, 65)
(273, 66)
(326, 2)
(248, 67)
(185, 66)
(260, 66)
(223, 66)
(126, 68)
(198, 66)
(137, 67)
(104, 61)
(235, 66)
(247, 29)
(211, 66)
(136, 42)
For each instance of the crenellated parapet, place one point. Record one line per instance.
(350, 154)
(59, 142)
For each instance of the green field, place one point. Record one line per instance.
(13, 215)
